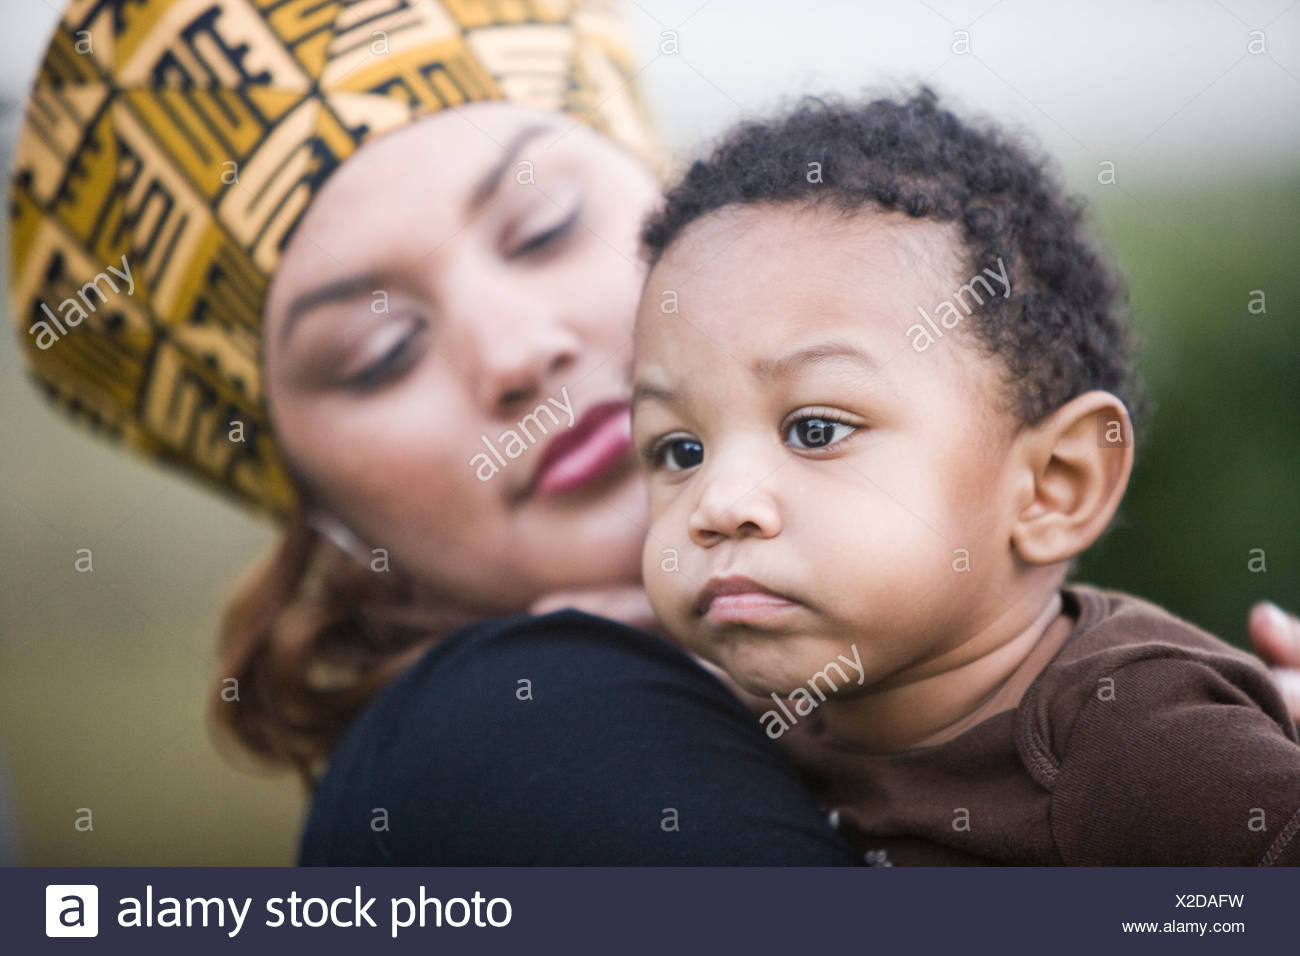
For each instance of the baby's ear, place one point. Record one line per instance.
(1078, 461)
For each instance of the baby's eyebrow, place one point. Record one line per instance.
(768, 369)
(661, 393)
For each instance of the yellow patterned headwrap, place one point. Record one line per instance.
(170, 147)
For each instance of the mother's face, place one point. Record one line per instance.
(456, 295)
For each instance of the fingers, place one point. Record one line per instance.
(592, 600)
(1276, 634)
(555, 602)
(1288, 681)
(626, 603)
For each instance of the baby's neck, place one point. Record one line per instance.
(961, 693)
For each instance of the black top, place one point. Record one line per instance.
(565, 739)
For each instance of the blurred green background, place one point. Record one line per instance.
(104, 675)
(1219, 465)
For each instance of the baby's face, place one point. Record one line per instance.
(819, 488)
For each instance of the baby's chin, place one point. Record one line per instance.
(766, 665)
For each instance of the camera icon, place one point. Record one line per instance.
(71, 909)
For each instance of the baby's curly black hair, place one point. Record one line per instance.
(1061, 332)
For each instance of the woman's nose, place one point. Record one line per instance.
(518, 369)
(732, 507)
(517, 350)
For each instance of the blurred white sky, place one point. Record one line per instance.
(1165, 89)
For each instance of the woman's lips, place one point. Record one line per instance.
(594, 447)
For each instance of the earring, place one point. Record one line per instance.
(340, 535)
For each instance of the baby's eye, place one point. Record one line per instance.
(817, 432)
(676, 454)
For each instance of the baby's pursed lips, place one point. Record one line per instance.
(734, 584)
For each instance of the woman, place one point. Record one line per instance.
(380, 270)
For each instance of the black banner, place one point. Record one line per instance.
(653, 911)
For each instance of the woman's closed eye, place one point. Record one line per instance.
(544, 238)
(398, 351)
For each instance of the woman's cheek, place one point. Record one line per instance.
(402, 456)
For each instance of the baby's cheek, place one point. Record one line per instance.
(661, 573)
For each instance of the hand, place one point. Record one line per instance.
(629, 605)
(1276, 636)
(625, 603)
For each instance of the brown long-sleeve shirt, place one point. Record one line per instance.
(1145, 741)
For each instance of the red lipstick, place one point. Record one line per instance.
(595, 446)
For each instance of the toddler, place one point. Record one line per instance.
(884, 395)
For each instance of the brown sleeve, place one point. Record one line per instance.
(1179, 764)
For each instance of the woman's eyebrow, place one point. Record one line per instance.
(338, 291)
(354, 286)
(491, 181)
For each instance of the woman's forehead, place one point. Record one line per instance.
(435, 156)
(402, 195)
